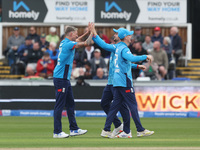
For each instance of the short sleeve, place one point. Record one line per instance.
(71, 45)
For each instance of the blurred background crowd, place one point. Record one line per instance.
(36, 55)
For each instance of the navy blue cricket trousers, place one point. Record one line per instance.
(127, 95)
(64, 98)
(106, 100)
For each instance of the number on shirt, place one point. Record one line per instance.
(60, 50)
(116, 59)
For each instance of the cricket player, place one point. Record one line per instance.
(107, 96)
(61, 79)
(123, 87)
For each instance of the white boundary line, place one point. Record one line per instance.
(46, 100)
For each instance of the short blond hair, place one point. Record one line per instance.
(69, 29)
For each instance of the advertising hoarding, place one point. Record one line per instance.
(49, 11)
(141, 11)
(162, 11)
(70, 11)
(174, 99)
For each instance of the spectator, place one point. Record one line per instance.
(45, 66)
(81, 71)
(44, 45)
(88, 70)
(81, 82)
(139, 50)
(138, 36)
(13, 44)
(99, 74)
(147, 45)
(79, 52)
(160, 57)
(77, 57)
(112, 41)
(32, 58)
(87, 54)
(167, 47)
(157, 35)
(24, 48)
(53, 37)
(103, 36)
(176, 43)
(75, 71)
(33, 35)
(132, 45)
(53, 52)
(152, 70)
(97, 61)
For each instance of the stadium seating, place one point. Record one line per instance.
(192, 70)
(6, 74)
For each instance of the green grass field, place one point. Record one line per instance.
(37, 132)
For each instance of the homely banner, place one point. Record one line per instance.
(101, 11)
(50, 11)
(141, 11)
(70, 11)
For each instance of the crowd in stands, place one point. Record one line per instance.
(37, 54)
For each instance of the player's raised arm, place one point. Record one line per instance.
(86, 34)
(80, 38)
(102, 43)
(88, 41)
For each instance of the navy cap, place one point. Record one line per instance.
(122, 33)
(16, 28)
(138, 28)
(43, 35)
(28, 38)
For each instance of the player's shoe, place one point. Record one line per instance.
(118, 130)
(145, 133)
(106, 134)
(60, 135)
(124, 135)
(77, 132)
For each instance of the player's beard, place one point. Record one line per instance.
(116, 40)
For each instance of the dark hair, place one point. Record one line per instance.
(46, 54)
(148, 35)
(69, 29)
(139, 43)
(37, 42)
(88, 63)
